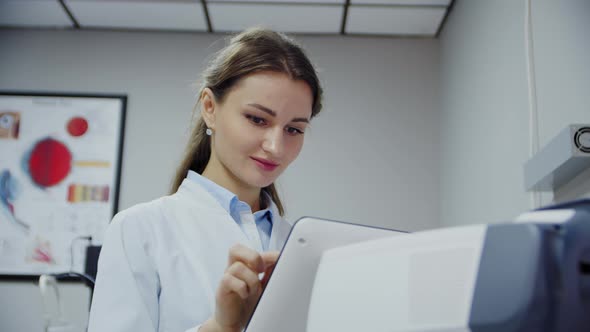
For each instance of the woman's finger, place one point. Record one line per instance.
(270, 259)
(246, 255)
(230, 283)
(244, 273)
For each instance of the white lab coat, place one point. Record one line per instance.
(161, 262)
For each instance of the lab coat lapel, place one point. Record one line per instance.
(198, 203)
(280, 230)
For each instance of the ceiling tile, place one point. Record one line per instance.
(172, 15)
(402, 2)
(161, 1)
(285, 18)
(394, 20)
(33, 13)
(339, 2)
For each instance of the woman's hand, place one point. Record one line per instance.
(240, 288)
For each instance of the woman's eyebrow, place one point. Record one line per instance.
(300, 120)
(263, 108)
(274, 114)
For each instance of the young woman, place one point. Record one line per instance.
(192, 260)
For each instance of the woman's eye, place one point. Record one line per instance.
(294, 131)
(256, 120)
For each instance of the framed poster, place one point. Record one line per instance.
(60, 165)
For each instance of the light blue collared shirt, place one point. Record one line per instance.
(230, 202)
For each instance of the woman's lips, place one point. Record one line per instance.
(264, 164)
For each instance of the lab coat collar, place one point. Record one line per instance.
(227, 199)
(280, 228)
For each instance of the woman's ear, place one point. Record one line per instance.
(208, 107)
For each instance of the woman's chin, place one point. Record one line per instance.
(258, 179)
(264, 184)
(261, 181)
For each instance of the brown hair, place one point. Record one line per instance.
(251, 51)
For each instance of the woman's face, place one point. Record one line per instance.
(258, 129)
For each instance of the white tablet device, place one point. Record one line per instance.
(284, 303)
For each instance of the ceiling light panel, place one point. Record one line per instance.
(33, 13)
(285, 18)
(339, 2)
(402, 2)
(172, 15)
(403, 21)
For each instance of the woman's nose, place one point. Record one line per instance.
(273, 142)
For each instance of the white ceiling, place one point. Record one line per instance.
(413, 18)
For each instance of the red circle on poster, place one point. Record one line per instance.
(50, 162)
(77, 126)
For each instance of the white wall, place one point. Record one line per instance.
(563, 71)
(371, 157)
(484, 127)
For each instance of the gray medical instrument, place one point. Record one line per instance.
(532, 274)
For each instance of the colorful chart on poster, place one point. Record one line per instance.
(60, 161)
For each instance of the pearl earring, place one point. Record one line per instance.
(208, 131)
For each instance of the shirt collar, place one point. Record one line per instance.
(268, 211)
